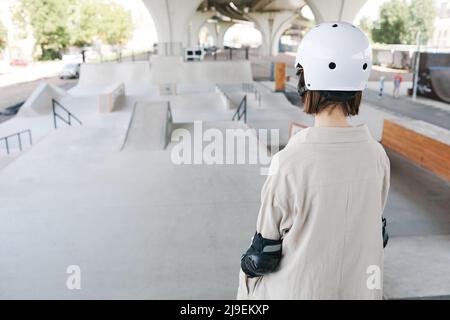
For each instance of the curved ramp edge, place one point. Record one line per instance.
(440, 80)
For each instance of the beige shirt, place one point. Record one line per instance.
(325, 201)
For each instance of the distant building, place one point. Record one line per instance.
(441, 33)
(19, 45)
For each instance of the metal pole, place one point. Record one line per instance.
(7, 145)
(245, 110)
(29, 135)
(20, 141)
(416, 67)
(54, 114)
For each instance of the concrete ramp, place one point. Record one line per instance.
(203, 72)
(274, 101)
(149, 128)
(40, 101)
(134, 75)
(440, 79)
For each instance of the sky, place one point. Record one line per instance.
(146, 32)
(370, 9)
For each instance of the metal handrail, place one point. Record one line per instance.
(229, 53)
(168, 125)
(70, 115)
(19, 139)
(250, 88)
(241, 110)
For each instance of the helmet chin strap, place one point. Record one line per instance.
(301, 89)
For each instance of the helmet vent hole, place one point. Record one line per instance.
(332, 65)
(334, 25)
(365, 66)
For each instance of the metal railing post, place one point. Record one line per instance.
(245, 109)
(69, 114)
(29, 136)
(7, 145)
(54, 113)
(20, 141)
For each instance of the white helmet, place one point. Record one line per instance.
(334, 56)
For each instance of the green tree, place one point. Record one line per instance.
(116, 25)
(400, 21)
(366, 25)
(102, 20)
(85, 23)
(48, 20)
(58, 24)
(3, 36)
(392, 26)
(422, 14)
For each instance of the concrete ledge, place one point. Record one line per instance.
(225, 99)
(150, 127)
(423, 143)
(107, 99)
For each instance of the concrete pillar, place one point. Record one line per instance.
(222, 28)
(212, 31)
(336, 10)
(171, 19)
(197, 21)
(272, 26)
(195, 24)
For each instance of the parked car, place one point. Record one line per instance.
(70, 71)
(18, 63)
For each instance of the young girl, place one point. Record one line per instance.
(320, 232)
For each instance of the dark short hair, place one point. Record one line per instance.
(315, 101)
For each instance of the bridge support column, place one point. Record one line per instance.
(198, 20)
(272, 25)
(171, 19)
(222, 28)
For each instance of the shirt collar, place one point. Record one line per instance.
(333, 135)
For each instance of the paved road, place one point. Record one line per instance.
(403, 106)
(14, 94)
(407, 107)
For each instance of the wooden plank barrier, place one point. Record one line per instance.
(424, 150)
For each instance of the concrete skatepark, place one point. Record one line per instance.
(106, 195)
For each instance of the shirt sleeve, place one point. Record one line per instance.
(386, 181)
(275, 216)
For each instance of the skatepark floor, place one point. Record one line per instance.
(417, 255)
